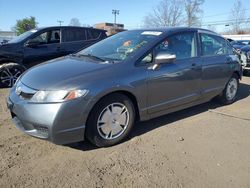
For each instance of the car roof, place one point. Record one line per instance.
(178, 29)
(61, 27)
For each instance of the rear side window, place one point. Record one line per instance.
(95, 34)
(213, 45)
(74, 34)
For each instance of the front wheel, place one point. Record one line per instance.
(229, 94)
(9, 73)
(111, 120)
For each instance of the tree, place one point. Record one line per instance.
(193, 12)
(238, 16)
(167, 13)
(25, 24)
(74, 22)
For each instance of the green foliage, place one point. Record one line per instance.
(25, 24)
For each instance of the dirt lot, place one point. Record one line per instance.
(204, 146)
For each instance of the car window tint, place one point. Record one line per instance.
(48, 37)
(42, 38)
(54, 36)
(74, 35)
(95, 34)
(213, 45)
(182, 45)
(89, 34)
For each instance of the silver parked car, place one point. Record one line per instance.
(98, 92)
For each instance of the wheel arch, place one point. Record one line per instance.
(130, 95)
(238, 74)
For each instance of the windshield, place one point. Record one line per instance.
(119, 47)
(22, 36)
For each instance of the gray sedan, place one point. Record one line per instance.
(99, 92)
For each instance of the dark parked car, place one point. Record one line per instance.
(99, 92)
(238, 44)
(245, 58)
(38, 45)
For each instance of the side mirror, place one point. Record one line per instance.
(163, 57)
(32, 43)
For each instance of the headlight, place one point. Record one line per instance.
(57, 96)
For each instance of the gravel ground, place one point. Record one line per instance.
(204, 146)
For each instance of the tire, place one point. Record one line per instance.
(9, 73)
(246, 72)
(229, 94)
(111, 120)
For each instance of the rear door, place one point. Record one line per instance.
(48, 47)
(216, 67)
(177, 83)
(74, 39)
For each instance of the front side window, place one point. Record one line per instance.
(183, 45)
(212, 45)
(48, 37)
(120, 46)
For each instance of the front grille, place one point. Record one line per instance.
(24, 91)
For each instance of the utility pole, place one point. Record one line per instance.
(115, 12)
(60, 22)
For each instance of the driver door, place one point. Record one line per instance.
(48, 48)
(176, 83)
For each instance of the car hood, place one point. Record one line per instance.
(246, 48)
(62, 73)
(238, 46)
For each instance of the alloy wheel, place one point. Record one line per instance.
(8, 76)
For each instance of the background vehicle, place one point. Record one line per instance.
(140, 74)
(238, 44)
(245, 58)
(39, 45)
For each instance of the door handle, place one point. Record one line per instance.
(194, 66)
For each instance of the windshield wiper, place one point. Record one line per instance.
(89, 55)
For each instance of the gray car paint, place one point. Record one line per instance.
(169, 88)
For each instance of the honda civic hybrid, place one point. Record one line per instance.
(100, 92)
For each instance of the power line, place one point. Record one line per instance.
(225, 13)
(60, 22)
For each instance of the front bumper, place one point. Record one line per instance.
(60, 123)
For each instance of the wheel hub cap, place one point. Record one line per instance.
(113, 121)
(232, 88)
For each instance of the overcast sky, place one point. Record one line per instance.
(132, 12)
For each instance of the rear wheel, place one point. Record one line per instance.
(229, 94)
(111, 120)
(9, 73)
(246, 72)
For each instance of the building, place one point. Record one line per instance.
(111, 28)
(7, 35)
